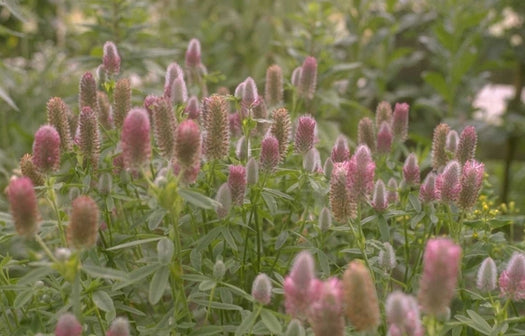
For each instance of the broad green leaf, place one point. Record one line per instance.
(155, 218)
(279, 194)
(103, 301)
(165, 249)
(247, 324)
(270, 321)
(229, 238)
(198, 199)
(22, 298)
(207, 285)
(216, 305)
(137, 275)
(158, 285)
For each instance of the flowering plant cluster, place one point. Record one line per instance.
(199, 213)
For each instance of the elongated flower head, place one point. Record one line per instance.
(249, 93)
(328, 167)
(111, 58)
(360, 176)
(312, 161)
(187, 144)
(383, 113)
(295, 328)
(23, 206)
(269, 153)
(360, 296)
(340, 151)
(119, 327)
(471, 181)
(105, 117)
(342, 205)
(391, 191)
(163, 126)
(193, 109)
(452, 142)
(135, 139)
(512, 279)
(439, 142)
(387, 257)
(305, 134)
(57, 117)
(280, 129)
(487, 275)
(46, 149)
(88, 135)
(379, 198)
(384, 138)
(296, 75)
(217, 138)
(297, 285)
(259, 111)
(68, 325)
(467, 144)
(28, 169)
(252, 171)
(448, 182)
(325, 219)
(179, 91)
(172, 72)
(440, 273)
(243, 149)
(411, 173)
(224, 197)
(83, 222)
(188, 174)
(262, 289)
(105, 182)
(237, 183)
(239, 90)
(427, 190)
(122, 101)
(400, 121)
(102, 74)
(402, 314)
(235, 124)
(366, 133)
(308, 78)
(88, 92)
(325, 313)
(273, 91)
(193, 54)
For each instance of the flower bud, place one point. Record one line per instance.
(122, 101)
(411, 173)
(487, 275)
(383, 114)
(297, 285)
(400, 121)
(62, 254)
(366, 133)
(440, 273)
(471, 181)
(111, 58)
(342, 205)
(219, 269)
(448, 183)
(269, 153)
(262, 289)
(249, 92)
(83, 222)
(387, 257)
(325, 313)
(28, 169)
(308, 78)
(68, 325)
(102, 74)
(193, 54)
(305, 134)
(88, 136)
(179, 91)
(135, 139)
(340, 151)
(295, 328)
(512, 279)
(379, 198)
(252, 171)
(88, 92)
(274, 86)
(325, 219)
(187, 144)
(23, 206)
(467, 145)
(280, 129)
(193, 109)
(439, 155)
(391, 193)
(217, 140)
(224, 197)
(452, 141)
(296, 75)
(402, 314)
(328, 168)
(384, 138)
(237, 183)
(239, 90)
(119, 327)
(360, 176)
(57, 117)
(105, 117)
(172, 72)
(163, 126)
(105, 182)
(242, 149)
(360, 296)
(312, 161)
(428, 191)
(46, 149)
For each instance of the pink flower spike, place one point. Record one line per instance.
(411, 170)
(46, 149)
(193, 54)
(342, 205)
(187, 144)
(68, 325)
(379, 199)
(305, 134)
(269, 153)
(179, 92)
(360, 176)
(262, 289)
(467, 144)
(237, 183)
(384, 138)
(340, 151)
(452, 141)
(296, 75)
(193, 109)
(297, 285)
(512, 279)
(135, 139)
(23, 206)
(111, 58)
(249, 93)
(308, 78)
(172, 72)
(487, 275)
(366, 133)
(402, 313)
(471, 181)
(400, 121)
(447, 183)
(325, 313)
(273, 93)
(119, 327)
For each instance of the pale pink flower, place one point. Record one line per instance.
(512, 279)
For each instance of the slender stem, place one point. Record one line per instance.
(45, 248)
(53, 201)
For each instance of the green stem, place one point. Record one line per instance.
(45, 248)
(52, 200)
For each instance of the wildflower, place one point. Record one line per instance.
(305, 134)
(325, 313)
(262, 289)
(273, 93)
(308, 78)
(366, 133)
(193, 54)
(379, 198)
(427, 190)
(296, 75)
(384, 138)
(23, 206)
(295, 328)
(360, 176)
(440, 272)
(83, 222)
(242, 149)
(179, 91)
(391, 193)
(111, 58)
(68, 325)
(88, 92)
(297, 285)
(164, 125)
(342, 205)
(252, 171)
(383, 114)
(360, 296)
(400, 121)
(121, 101)
(105, 117)
(119, 327)
(135, 139)
(217, 140)
(224, 197)
(88, 136)
(325, 219)
(471, 180)
(46, 149)
(102, 74)
(280, 129)
(312, 161)
(439, 155)
(340, 151)
(448, 184)
(402, 314)
(187, 150)
(29, 169)
(249, 92)
(512, 279)
(387, 257)
(172, 72)
(487, 275)
(451, 144)
(269, 153)
(192, 109)
(467, 145)
(411, 170)
(237, 183)
(57, 117)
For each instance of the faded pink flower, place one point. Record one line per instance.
(325, 313)
(400, 121)
(83, 223)
(379, 198)
(23, 206)
(512, 279)
(179, 91)
(360, 176)
(122, 101)
(305, 134)
(280, 129)
(28, 168)
(57, 117)
(448, 183)
(308, 78)
(237, 183)
(68, 325)
(273, 93)
(340, 151)
(452, 141)
(439, 142)
(135, 139)
(188, 144)
(402, 314)
(217, 140)
(193, 109)
(471, 181)
(172, 72)
(411, 173)
(111, 58)
(487, 275)
(383, 113)
(296, 285)
(46, 149)
(262, 289)
(427, 190)
(384, 138)
(342, 205)
(366, 133)
(193, 54)
(119, 327)
(467, 145)
(88, 92)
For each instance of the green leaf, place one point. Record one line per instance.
(383, 228)
(137, 275)
(207, 285)
(155, 218)
(165, 249)
(279, 194)
(104, 272)
(5, 97)
(270, 321)
(133, 243)
(22, 298)
(158, 285)
(414, 201)
(229, 238)
(198, 199)
(247, 324)
(281, 239)
(216, 305)
(205, 241)
(32, 276)
(437, 81)
(207, 331)
(103, 301)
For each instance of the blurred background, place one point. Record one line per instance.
(457, 61)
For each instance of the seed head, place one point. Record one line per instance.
(467, 145)
(83, 223)
(46, 149)
(269, 153)
(342, 205)
(439, 142)
(400, 121)
(217, 139)
(383, 114)
(30, 170)
(280, 129)
(23, 206)
(88, 92)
